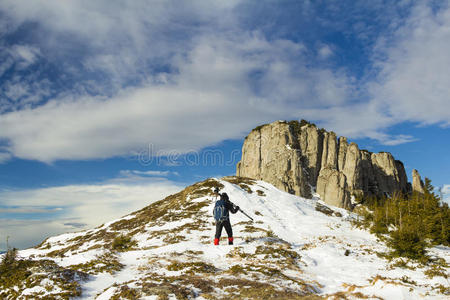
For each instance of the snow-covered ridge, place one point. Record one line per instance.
(290, 251)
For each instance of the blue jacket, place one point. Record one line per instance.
(225, 202)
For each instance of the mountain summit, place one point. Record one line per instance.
(297, 157)
(295, 249)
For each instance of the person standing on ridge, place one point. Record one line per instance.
(222, 216)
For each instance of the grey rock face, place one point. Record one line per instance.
(294, 158)
(332, 187)
(272, 154)
(417, 184)
(311, 145)
(352, 170)
(343, 146)
(390, 175)
(330, 150)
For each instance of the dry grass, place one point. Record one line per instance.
(25, 274)
(243, 182)
(106, 263)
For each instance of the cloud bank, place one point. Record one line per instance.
(43, 212)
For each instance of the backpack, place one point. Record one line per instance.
(220, 211)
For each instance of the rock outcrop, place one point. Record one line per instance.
(272, 154)
(297, 156)
(417, 183)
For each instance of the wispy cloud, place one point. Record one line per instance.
(393, 140)
(148, 173)
(325, 52)
(28, 210)
(25, 55)
(76, 225)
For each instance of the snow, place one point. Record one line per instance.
(107, 294)
(36, 289)
(321, 241)
(106, 225)
(170, 225)
(79, 258)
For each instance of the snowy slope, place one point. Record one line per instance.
(291, 251)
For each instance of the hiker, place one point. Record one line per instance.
(221, 214)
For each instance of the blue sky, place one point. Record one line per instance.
(106, 106)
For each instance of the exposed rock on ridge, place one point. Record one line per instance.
(296, 156)
(272, 154)
(417, 184)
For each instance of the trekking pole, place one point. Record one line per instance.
(245, 214)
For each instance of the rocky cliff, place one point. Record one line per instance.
(297, 157)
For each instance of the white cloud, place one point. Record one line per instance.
(16, 91)
(213, 96)
(398, 139)
(142, 177)
(66, 208)
(413, 83)
(24, 85)
(325, 52)
(25, 55)
(24, 91)
(120, 39)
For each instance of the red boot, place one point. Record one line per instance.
(230, 241)
(216, 242)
